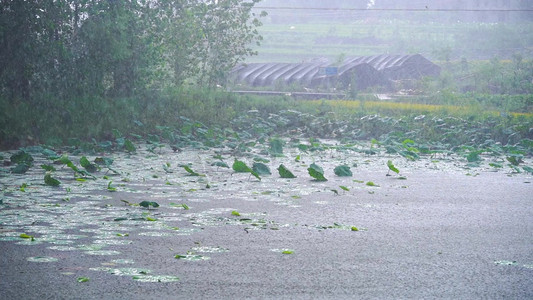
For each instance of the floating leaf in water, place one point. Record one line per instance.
(411, 155)
(49, 180)
(261, 160)
(316, 172)
(22, 157)
(190, 171)
(21, 168)
(344, 188)
(147, 204)
(276, 147)
(303, 147)
(256, 175)
(473, 156)
(235, 213)
(103, 161)
(392, 167)
(353, 228)
(167, 169)
(241, 167)
(111, 188)
(261, 169)
(371, 183)
(284, 172)
(343, 171)
(63, 160)
(128, 145)
(220, 164)
(50, 154)
(528, 169)
(515, 159)
(48, 168)
(26, 236)
(90, 167)
(106, 161)
(66, 161)
(82, 279)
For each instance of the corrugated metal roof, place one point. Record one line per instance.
(378, 69)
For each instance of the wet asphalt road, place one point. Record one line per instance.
(443, 236)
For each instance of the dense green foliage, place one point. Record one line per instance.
(70, 61)
(119, 48)
(494, 77)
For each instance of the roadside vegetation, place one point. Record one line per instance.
(84, 90)
(472, 118)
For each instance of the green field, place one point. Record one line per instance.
(294, 42)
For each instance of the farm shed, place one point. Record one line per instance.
(399, 67)
(365, 71)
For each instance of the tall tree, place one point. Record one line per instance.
(228, 27)
(71, 48)
(32, 46)
(112, 47)
(206, 39)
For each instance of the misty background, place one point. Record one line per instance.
(440, 30)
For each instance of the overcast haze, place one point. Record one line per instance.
(438, 29)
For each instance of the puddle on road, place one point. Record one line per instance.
(283, 250)
(206, 249)
(102, 252)
(192, 257)
(513, 263)
(156, 278)
(42, 259)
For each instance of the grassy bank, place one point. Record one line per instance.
(406, 108)
(52, 121)
(211, 117)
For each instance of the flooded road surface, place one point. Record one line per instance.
(439, 229)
